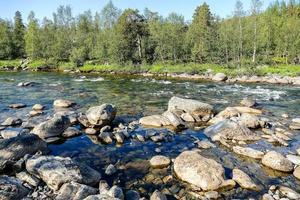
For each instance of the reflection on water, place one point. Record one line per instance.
(144, 96)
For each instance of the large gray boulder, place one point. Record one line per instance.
(194, 107)
(52, 128)
(75, 191)
(56, 171)
(16, 148)
(101, 115)
(12, 189)
(230, 130)
(201, 172)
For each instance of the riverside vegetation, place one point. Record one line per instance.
(115, 40)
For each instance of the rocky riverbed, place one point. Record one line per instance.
(73, 145)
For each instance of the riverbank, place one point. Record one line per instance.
(283, 74)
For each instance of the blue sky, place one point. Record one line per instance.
(43, 8)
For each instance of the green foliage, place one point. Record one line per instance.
(18, 36)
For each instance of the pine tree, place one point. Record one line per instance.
(18, 36)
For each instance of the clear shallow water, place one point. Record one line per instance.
(145, 96)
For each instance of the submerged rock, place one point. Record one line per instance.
(201, 172)
(249, 152)
(160, 162)
(12, 121)
(71, 132)
(101, 115)
(52, 128)
(248, 102)
(75, 191)
(56, 171)
(17, 105)
(110, 170)
(230, 130)
(116, 192)
(243, 179)
(16, 148)
(61, 103)
(277, 161)
(12, 189)
(193, 107)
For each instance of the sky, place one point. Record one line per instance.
(45, 8)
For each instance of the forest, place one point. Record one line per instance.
(251, 37)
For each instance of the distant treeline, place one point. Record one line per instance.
(252, 37)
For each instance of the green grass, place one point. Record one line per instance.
(190, 68)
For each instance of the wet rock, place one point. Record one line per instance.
(11, 188)
(62, 103)
(132, 195)
(140, 138)
(16, 148)
(228, 113)
(211, 195)
(12, 121)
(25, 84)
(295, 126)
(75, 191)
(28, 178)
(219, 77)
(84, 120)
(294, 159)
(34, 113)
(296, 172)
(10, 133)
(119, 136)
(101, 115)
(173, 119)
(277, 161)
(110, 170)
(160, 162)
(205, 144)
(157, 195)
(248, 102)
(103, 187)
(105, 129)
(243, 179)
(17, 105)
(106, 137)
(201, 172)
(230, 130)
(155, 121)
(249, 121)
(71, 132)
(289, 193)
(249, 152)
(38, 107)
(56, 171)
(52, 128)
(116, 192)
(193, 107)
(91, 131)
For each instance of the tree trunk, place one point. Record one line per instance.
(255, 41)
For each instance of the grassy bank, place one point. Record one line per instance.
(283, 70)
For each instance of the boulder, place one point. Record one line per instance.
(193, 107)
(289, 193)
(249, 152)
(243, 179)
(110, 170)
(116, 192)
(61, 103)
(230, 130)
(277, 161)
(52, 128)
(157, 195)
(155, 121)
(248, 102)
(201, 172)
(10, 133)
(174, 119)
(160, 162)
(12, 121)
(16, 148)
(225, 114)
(132, 195)
(249, 121)
(38, 107)
(75, 191)
(106, 137)
(187, 117)
(12, 189)
(71, 132)
(101, 115)
(28, 178)
(17, 105)
(56, 171)
(219, 77)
